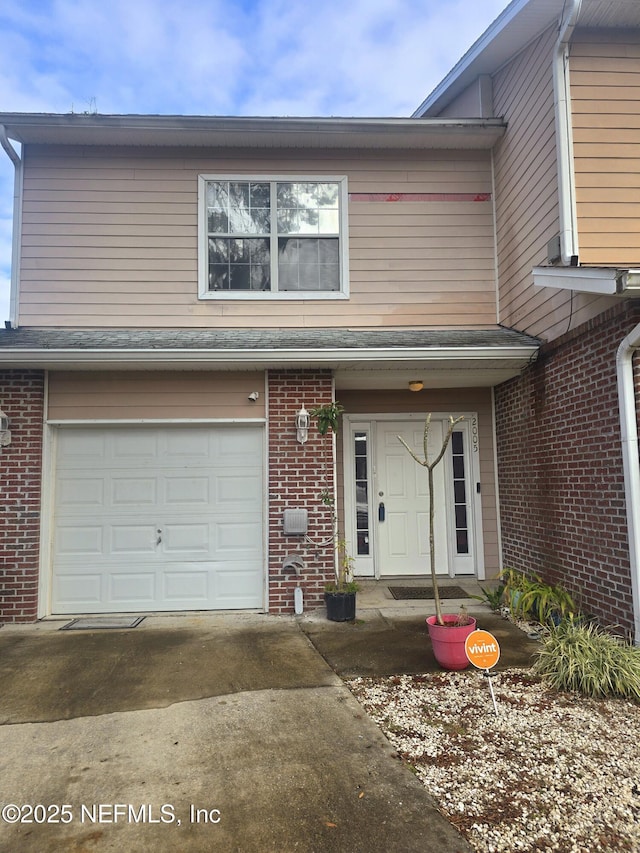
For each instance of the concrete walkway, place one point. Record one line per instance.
(200, 733)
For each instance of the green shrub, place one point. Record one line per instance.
(493, 597)
(546, 603)
(529, 597)
(579, 656)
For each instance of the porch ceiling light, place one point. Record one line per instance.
(302, 425)
(416, 385)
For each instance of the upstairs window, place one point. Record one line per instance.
(265, 237)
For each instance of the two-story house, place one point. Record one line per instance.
(186, 289)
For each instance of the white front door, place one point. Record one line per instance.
(157, 518)
(402, 509)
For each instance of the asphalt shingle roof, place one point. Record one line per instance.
(253, 339)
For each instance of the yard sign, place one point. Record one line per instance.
(483, 651)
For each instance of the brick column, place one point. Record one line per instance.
(298, 474)
(22, 400)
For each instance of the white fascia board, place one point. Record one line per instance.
(230, 359)
(600, 280)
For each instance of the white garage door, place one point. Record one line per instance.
(158, 518)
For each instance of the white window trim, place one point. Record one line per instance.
(203, 290)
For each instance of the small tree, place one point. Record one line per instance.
(430, 466)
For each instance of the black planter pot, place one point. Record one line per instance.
(341, 606)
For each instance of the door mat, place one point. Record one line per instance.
(106, 622)
(406, 593)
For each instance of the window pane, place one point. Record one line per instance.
(328, 252)
(287, 221)
(218, 251)
(462, 541)
(240, 277)
(457, 442)
(218, 222)
(299, 267)
(239, 264)
(327, 195)
(361, 467)
(329, 222)
(218, 276)
(238, 207)
(308, 208)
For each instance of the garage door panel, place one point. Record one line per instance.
(74, 492)
(187, 491)
(158, 518)
(130, 445)
(127, 491)
(81, 449)
(242, 538)
(128, 539)
(84, 540)
(237, 589)
(191, 538)
(82, 591)
(132, 588)
(188, 586)
(241, 489)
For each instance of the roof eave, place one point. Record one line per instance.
(229, 359)
(247, 132)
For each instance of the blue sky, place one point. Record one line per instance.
(225, 57)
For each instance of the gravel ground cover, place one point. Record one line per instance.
(550, 772)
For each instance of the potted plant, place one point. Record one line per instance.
(340, 595)
(448, 632)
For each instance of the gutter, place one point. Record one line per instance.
(564, 139)
(16, 237)
(630, 462)
(50, 357)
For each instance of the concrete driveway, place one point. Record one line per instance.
(196, 733)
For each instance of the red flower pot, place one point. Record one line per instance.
(447, 641)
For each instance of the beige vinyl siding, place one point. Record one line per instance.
(605, 93)
(436, 400)
(110, 239)
(527, 197)
(466, 105)
(161, 396)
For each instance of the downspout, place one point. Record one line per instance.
(17, 224)
(630, 462)
(564, 139)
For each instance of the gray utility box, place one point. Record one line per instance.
(295, 522)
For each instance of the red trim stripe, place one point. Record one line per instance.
(419, 197)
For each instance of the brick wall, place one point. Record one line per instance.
(22, 399)
(298, 473)
(562, 499)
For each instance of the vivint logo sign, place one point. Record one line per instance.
(482, 649)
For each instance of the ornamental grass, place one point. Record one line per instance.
(582, 657)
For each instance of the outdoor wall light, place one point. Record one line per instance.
(5, 433)
(302, 425)
(416, 385)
